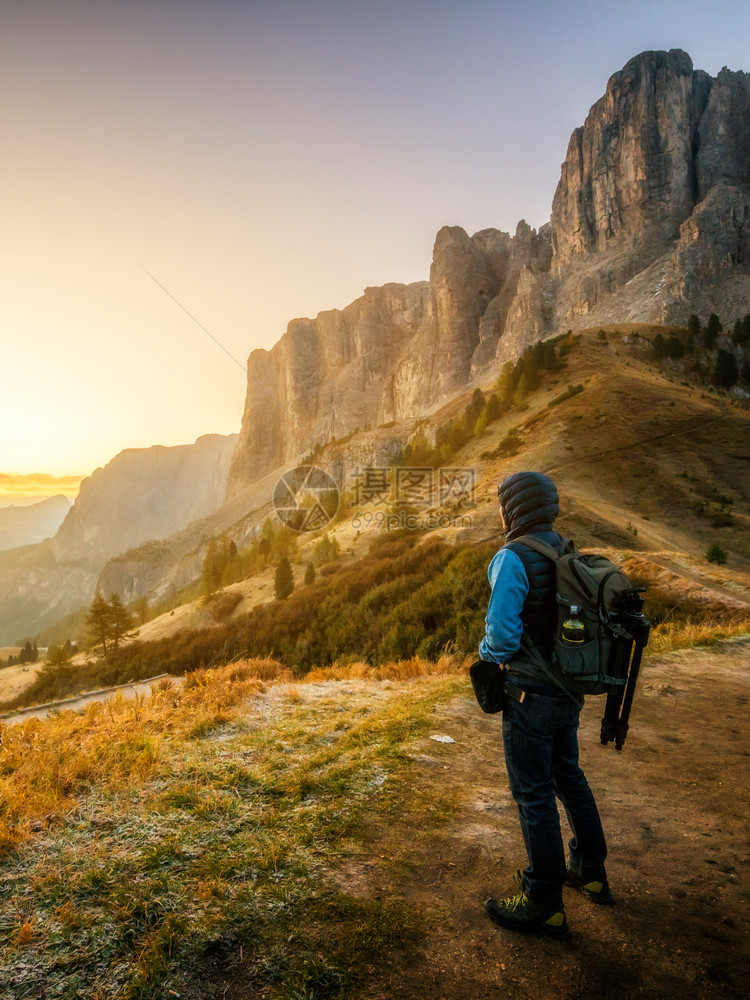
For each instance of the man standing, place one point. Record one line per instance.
(540, 719)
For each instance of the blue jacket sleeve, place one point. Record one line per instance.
(503, 625)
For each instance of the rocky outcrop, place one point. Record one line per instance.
(723, 155)
(648, 224)
(648, 220)
(630, 169)
(708, 269)
(329, 375)
(390, 355)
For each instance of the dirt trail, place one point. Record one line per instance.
(674, 806)
(132, 689)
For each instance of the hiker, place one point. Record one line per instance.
(540, 720)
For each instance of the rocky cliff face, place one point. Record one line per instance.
(649, 223)
(631, 168)
(648, 220)
(143, 493)
(389, 355)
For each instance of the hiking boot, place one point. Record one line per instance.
(597, 890)
(520, 913)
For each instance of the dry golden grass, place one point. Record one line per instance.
(416, 666)
(164, 826)
(45, 764)
(684, 635)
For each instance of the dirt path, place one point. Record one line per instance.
(674, 806)
(131, 690)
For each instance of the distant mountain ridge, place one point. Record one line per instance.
(31, 523)
(141, 494)
(650, 222)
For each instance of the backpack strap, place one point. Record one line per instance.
(527, 643)
(528, 646)
(544, 548)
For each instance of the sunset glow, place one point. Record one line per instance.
(263, 161)
(37, 486)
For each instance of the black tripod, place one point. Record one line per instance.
(632, 638)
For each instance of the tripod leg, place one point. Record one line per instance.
(627, 701)
(614, 698)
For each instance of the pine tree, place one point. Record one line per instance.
(507, 383)
(481, 425)
(473, 410)
(284, 579)
(673, 347)
(324, 550)
(57, 656)
(142, 609)
(716, 554)
(658, 346)
(210, 575)
(530, 368)
(713, 329)
(493, 408)
(98, 621)
(549, 358)
(120, 620)
(519, 399)
(726, 370)
(309, 574)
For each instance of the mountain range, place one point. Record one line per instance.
(649, 223)
(26, 524)
(141, 494)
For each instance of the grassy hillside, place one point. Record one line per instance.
(648, 457)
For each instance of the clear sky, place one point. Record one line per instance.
(262, 161)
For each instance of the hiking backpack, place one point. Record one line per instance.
(609, 608)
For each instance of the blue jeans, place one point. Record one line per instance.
(540, 735)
